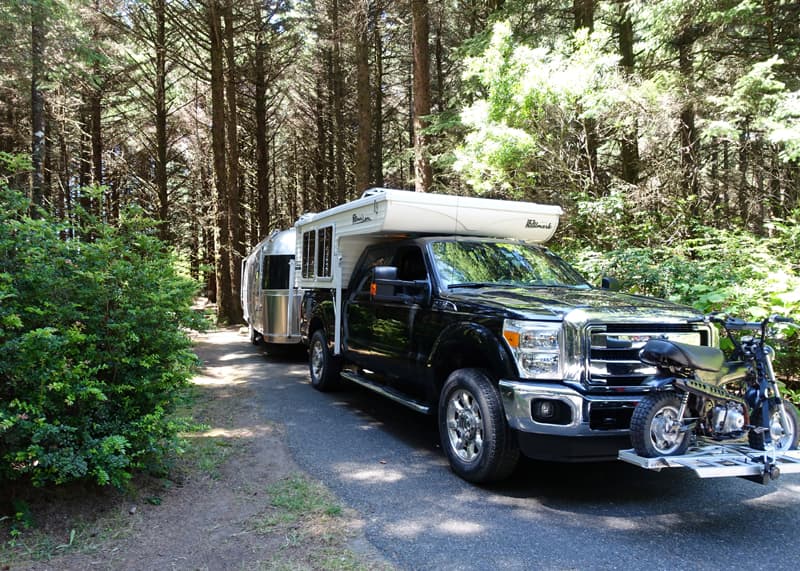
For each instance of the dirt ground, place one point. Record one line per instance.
(235, 500)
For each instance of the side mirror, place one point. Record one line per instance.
(383, 278)
(386, 287)
(609, 283)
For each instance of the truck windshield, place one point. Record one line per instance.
(478, 264)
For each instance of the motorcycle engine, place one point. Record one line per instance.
(728, 418)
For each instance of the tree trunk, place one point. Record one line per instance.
(159, 7)
(262, 145)
(361, 168)
(583, 13)
(689, 138)
(629, 143)
(338, 106)
(234, 203)
(423, 175)
(225, 308)
(37, 104)
(377, 142)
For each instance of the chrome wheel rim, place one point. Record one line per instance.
(781, 437)
(317, 360)
(465, 425)
(665, 431)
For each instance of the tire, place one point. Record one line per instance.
(479, 444)
(323, 367)
(255, 336)
(654, 428)
(783, 439)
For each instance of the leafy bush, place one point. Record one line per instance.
(93, 347)
(717, 270)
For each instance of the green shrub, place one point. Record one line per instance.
(717, 270)
(93, 347)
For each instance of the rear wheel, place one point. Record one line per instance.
(477, 440)
(323, 366)
(255, 336)
(656, 427)
(784, 435)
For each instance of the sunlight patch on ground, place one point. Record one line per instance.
(459, 527)
(410, 529)
(234, 356)
(405, 529)
(247, 432)
(210, 379)
(375, 475)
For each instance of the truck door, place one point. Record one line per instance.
(381, 334)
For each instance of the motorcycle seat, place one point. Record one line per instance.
(666, 353)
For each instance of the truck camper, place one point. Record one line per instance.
(453, 307)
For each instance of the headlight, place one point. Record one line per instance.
(535, 347)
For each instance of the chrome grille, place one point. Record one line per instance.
(614, 349)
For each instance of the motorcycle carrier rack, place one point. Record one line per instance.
(709, 459)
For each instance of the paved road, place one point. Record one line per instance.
(384, 461)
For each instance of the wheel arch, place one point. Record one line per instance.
(469, 345)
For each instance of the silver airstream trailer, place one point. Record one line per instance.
(270, 301)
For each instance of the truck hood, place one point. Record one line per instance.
(554, 303)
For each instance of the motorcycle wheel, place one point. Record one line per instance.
(655, 427)
(783, 438)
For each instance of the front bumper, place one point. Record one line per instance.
(590, 415)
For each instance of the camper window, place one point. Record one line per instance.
(276, 272)
(309, 253)
(324, 252)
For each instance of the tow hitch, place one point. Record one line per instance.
(714, 460)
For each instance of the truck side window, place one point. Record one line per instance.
(410, 264)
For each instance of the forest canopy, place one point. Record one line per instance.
(668, 131)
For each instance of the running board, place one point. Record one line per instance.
(388, 392)
(714, 460)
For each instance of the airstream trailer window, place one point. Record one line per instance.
(309, 253)
(276, 271)
(325, 252)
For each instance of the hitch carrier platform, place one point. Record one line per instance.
(714, 460)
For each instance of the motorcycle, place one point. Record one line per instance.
(697, 392)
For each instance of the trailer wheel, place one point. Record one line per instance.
(655, 427)
(323, 366)
(477, 440)
(783, 437)
(255, 336)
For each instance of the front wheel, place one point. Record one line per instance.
(323, 366)
(477, 440)
(784, 435)
(656, 426)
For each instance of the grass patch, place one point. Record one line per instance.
(297, 498)
(306, 516)
(30, 544)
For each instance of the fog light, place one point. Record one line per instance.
(545, 409)
(551, 411)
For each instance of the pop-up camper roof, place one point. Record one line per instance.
(387, 211)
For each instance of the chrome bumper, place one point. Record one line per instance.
(518, 396)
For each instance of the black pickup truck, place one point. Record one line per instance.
(505, 342)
